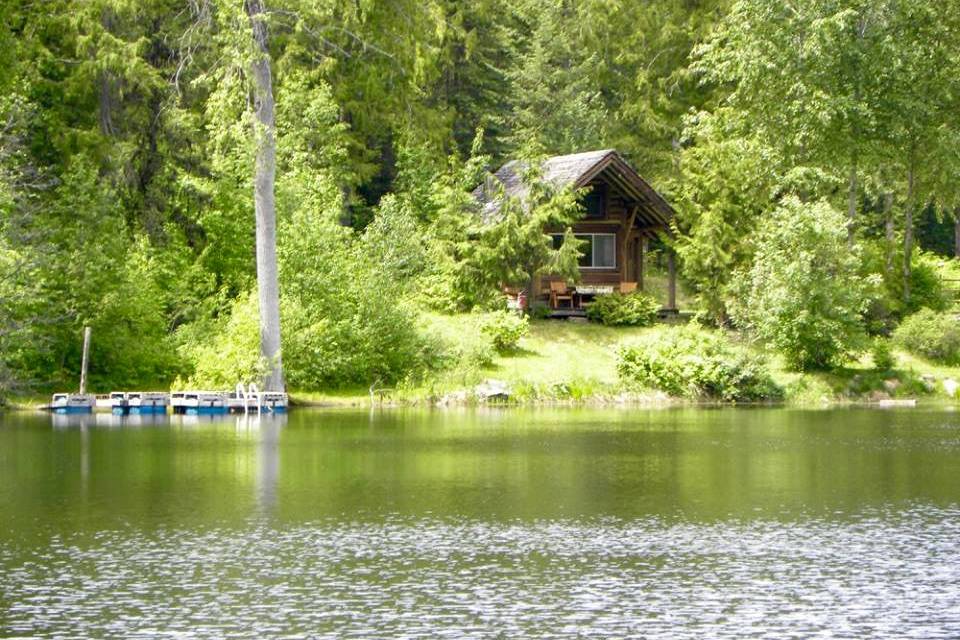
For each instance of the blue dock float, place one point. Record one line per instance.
(68, 403)
(148, 402)
(119, 405)
(194, 403)
(155, 403)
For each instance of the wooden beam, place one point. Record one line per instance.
(638, 264)
(627, 232)
(671, 281)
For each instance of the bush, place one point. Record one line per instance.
(504, 329)
(540, 311)
(345, 317)
(932, 335)
(927, 275)
(803, 293)
(882, 354)
(632, 309)
(692, 362)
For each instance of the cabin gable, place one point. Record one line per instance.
(621, 212)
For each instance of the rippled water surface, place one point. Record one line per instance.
(769, 523)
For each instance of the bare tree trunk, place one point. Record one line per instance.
(852, 203)
(105, 84)
(268, 286)
(956, 233)
(888, 232)
(85, 362)
(908, 233)
(671, 280)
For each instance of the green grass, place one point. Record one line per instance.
(859, 381)
(562, 361)
(560, 351)
(557, 360)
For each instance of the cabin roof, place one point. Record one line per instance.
(578, 170)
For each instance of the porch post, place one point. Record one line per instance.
(638, 262)
(671, 281)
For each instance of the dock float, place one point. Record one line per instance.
(73, 403)
(193, 403)
(248, 399)
(126, 403)
(147, 402)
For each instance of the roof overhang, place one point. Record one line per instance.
(652, 209)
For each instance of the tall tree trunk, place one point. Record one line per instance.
(888, 233)
(105, 83)
(908, 233)
(956, 232)
(268, 287)
(852, 203)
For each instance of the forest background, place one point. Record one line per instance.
(809, 147)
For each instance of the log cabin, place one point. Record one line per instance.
(621, 212)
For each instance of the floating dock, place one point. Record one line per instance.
(194, 403)
(147, 402)
(125, 403)
(73, 403)
(241, 400)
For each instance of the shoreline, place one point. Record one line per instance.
(638, 401)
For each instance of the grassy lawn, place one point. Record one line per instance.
(561, 351)
(577, 361)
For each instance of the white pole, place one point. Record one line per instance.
(85, 361)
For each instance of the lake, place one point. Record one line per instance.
(664, 523)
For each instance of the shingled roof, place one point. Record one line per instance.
(577, 170)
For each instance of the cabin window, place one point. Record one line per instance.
(599, 249)
(593, 203)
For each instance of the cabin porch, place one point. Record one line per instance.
(631, 274)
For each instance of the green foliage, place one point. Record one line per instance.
(692, 362)
(927, 276)
(345, 316)
(726, 187)
(513, 248)
(557, 102)
(926, 284)
(227, 352)
(540, 311)
(505, 329)
(126, 163)
(932, 335)
(881, 352)
(635, 309)
(803, 293)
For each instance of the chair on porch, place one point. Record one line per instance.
(628, 287)
(558, 293)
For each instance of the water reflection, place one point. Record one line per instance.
(623, 523)
(106, 420)
(884, 574)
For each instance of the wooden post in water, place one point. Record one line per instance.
(85, 361)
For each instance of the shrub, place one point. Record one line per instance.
(321, 349)
(927, 275)
(504, 329)
(632, 309)
(695, 363)
(932, 335)
(540, 311)
(803, 293)
(882, 354)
